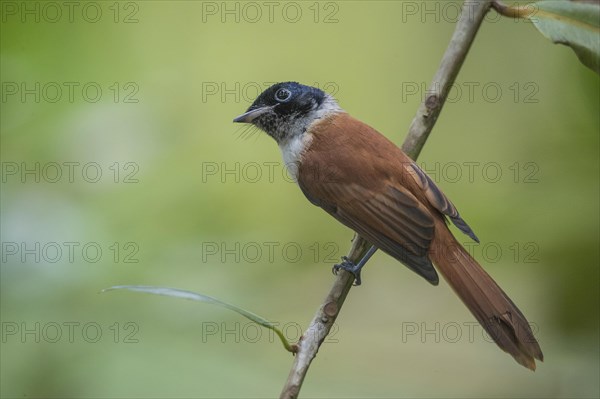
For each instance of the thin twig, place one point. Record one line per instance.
(470, 20)
(524, 11)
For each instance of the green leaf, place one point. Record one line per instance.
(193, 296)
(575, 24)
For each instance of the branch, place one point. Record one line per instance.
(513, 11)
(470, 20)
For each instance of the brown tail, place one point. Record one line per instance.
(494, 310)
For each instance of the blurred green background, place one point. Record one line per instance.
(141, 162)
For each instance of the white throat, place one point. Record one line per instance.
(293, 148)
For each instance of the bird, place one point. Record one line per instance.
(362, 179)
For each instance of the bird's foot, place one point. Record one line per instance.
(350, 267)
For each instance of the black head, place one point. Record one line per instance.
(284, 109)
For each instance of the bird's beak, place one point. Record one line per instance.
(251, 115)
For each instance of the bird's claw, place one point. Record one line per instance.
(336, 268)
(348, 266)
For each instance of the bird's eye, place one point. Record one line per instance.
(283, 95)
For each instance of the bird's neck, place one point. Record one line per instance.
(298, 140)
